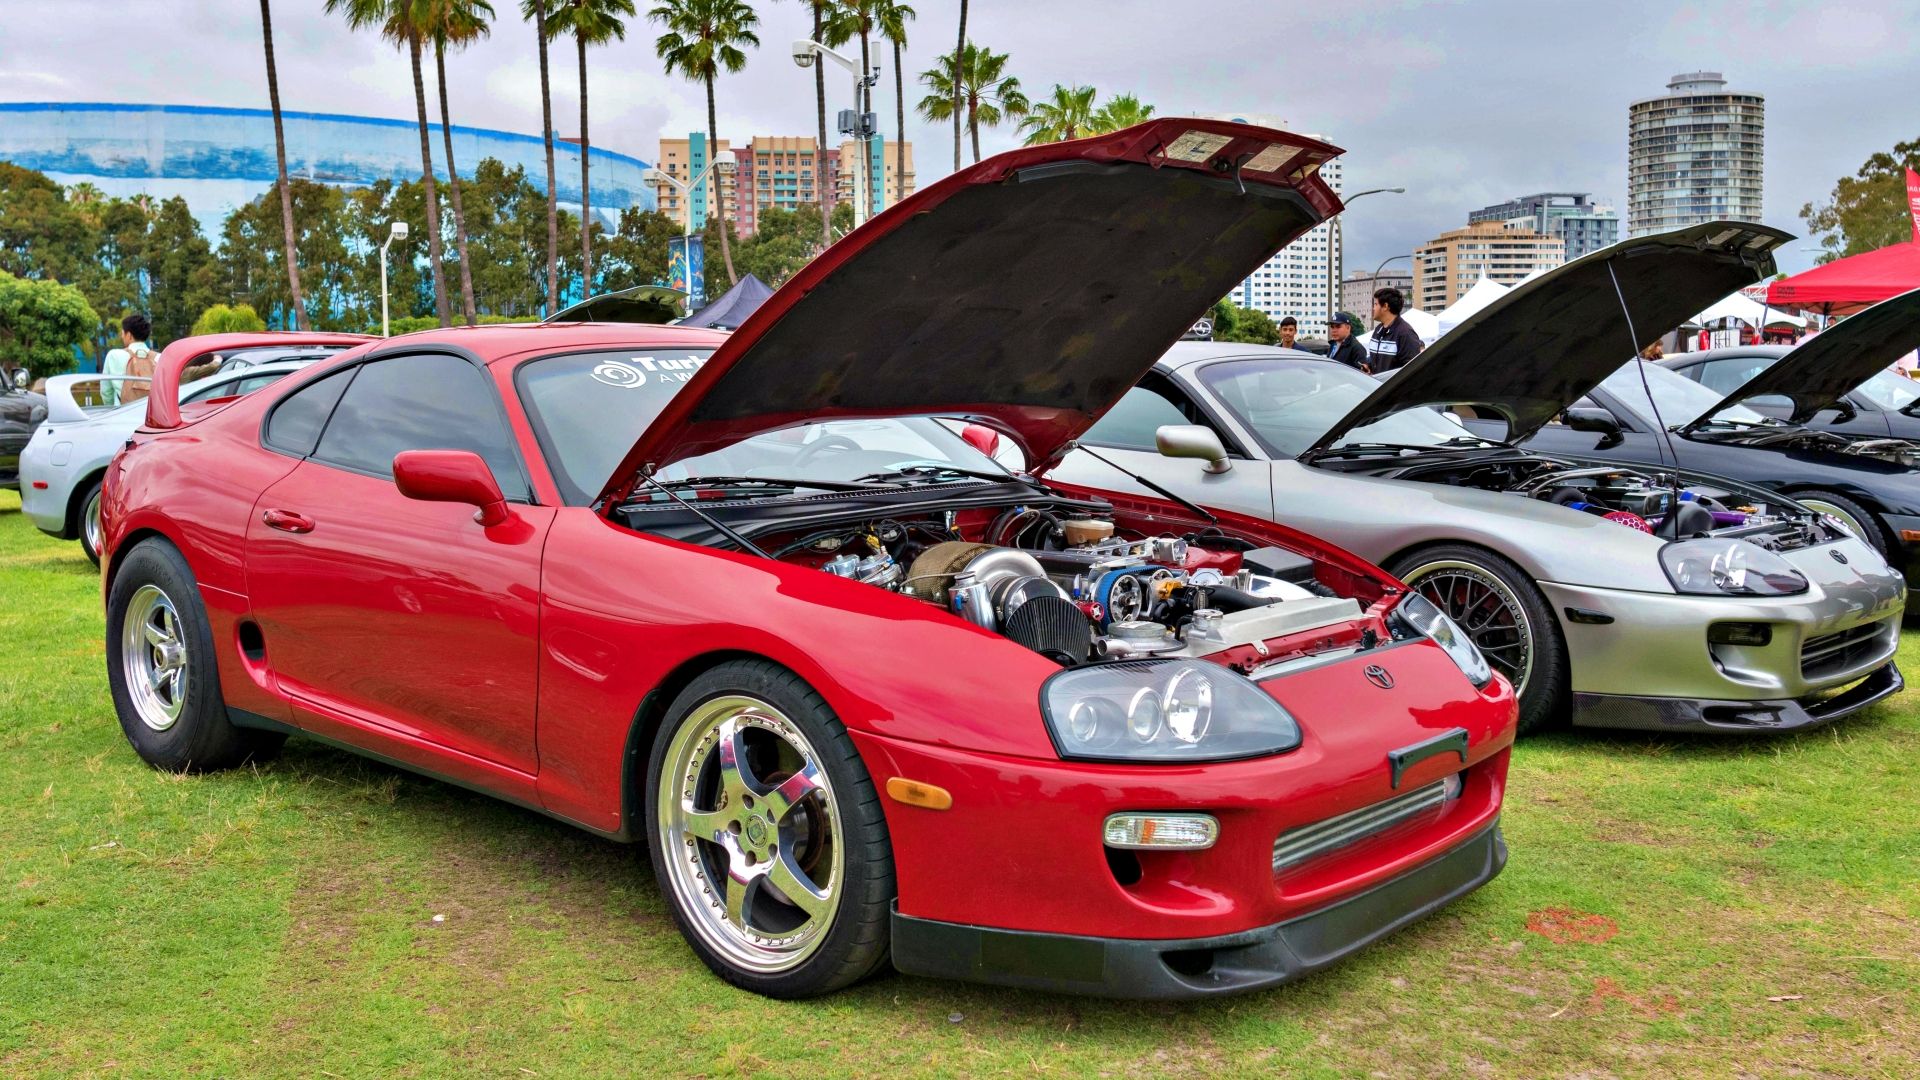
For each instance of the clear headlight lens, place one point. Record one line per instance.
(1421, 616)
(1729, 568)
(1176, 710)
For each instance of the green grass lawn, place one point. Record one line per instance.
(1673, 907)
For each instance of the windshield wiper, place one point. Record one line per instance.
(937, 471)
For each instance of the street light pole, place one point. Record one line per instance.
(1333, 234)
(1374, 281)
(659, 177)
(805, 50)
(396, 230)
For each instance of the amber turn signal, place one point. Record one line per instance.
(915, 793)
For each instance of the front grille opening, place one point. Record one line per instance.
(1308, 842)
(1124, 865)
(1830, 654)
(1192, 963)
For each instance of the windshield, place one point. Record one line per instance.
(1681, 400)
(1889, 391)
(1289, 404)
(588, 409)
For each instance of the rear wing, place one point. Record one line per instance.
(71, 398)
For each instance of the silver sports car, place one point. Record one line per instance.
(1636, 597)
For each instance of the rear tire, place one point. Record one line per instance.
(1502, 611)
(1857, 519)
(87, 521)
(766, 835)
(162, 673)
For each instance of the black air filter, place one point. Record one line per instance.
(1054, 627)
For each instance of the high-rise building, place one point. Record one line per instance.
(777, 172)
(1356, 292)
(1582, 224)
(684, 159)
(1505, 251)
(1694, 154)
(1300, 278)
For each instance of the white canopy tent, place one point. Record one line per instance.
(1749, 311)
(1423, 324)
(1472, 302)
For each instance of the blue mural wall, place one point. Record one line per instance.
(219, 158)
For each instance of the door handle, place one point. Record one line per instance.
(287, 521)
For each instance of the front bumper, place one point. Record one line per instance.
(1687, 714)
(1196, 967)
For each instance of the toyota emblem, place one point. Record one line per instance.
(1379, 676)
(1838, 556)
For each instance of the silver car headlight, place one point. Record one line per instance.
(1729, 568)
(1170, 711)
(1425, 619)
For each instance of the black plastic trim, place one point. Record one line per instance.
(1704, 715)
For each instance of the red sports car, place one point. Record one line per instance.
(754, 601)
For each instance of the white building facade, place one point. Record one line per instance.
(1696, 153)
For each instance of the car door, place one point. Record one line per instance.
(1125, 434)
(400, 626)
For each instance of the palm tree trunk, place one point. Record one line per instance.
(586, 217)
(973, 126)
(546, 131)
(426, 181)
(453, 187)
(719, 198)
(865, 105)
(821, 187)
(280, 155)
(959, 51)
(900, 126)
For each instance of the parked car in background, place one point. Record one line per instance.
(1838, 381)
(845, 677)
(21, 411)
(65, 463)
(1745, 615)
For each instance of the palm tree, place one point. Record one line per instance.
(986, 93)
(593, 22)
(959, 47)
(829, 29)
(537, 11)
(457, 23)
(409, 23)
(1119, 113)
(893, 18)
(703, 38)
(1067, 113)
(280, 156)
(862, 16)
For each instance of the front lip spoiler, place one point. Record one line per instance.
(1733, 717)
(1171, 969)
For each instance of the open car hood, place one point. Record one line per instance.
(1027, 292)
(1549, 341)
(1818, 373)
(645, 304)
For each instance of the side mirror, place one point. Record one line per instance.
(1192, 441)
(1599, 421)
(981, 438)
(1844, 411)
(456, 476)
(21, 380)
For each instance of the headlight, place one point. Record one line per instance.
(1729, 568)
(1420, 615)
(1163, 711)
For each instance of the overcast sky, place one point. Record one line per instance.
(1463, 103)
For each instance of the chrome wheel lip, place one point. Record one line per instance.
(1521, 673)
(1852, 524)
(718, 899)
(154, 658)
(90, 521)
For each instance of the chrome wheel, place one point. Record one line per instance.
(1847, 521)
(153, 655)
(90, 521)
(748, 833)
(1486, 609)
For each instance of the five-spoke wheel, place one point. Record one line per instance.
(153, 656)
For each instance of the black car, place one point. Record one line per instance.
(1648, 413)
(20, 413)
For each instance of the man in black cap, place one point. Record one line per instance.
(1342, 346)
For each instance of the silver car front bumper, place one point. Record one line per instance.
(1643, 660)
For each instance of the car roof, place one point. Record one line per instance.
(1687, 359)
(1186, 354)
(503, 340)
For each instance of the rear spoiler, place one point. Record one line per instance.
(64, 408)
(163, 400)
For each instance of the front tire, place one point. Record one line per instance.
(1501, 609)
(767, 837)
(162, 673)
(1855, 518)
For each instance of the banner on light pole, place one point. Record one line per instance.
(687, 269)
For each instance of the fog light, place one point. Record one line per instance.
(1188, 832)
(1740, 633)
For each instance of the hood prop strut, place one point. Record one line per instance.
(1146, 483)
(1666, 433)
(646, 476)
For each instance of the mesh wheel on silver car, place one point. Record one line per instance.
(767, 836)
(1502, 611)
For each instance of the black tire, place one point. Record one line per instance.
(86, 519)
(852, 941)
(1850, 513)
(199, 737)
(1448, 573)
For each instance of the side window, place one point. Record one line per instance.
(1726, 376)
(1130, 424)
(430, 402)
(294, 425)
(236, 387)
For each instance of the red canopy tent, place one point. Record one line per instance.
(1844, 286)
